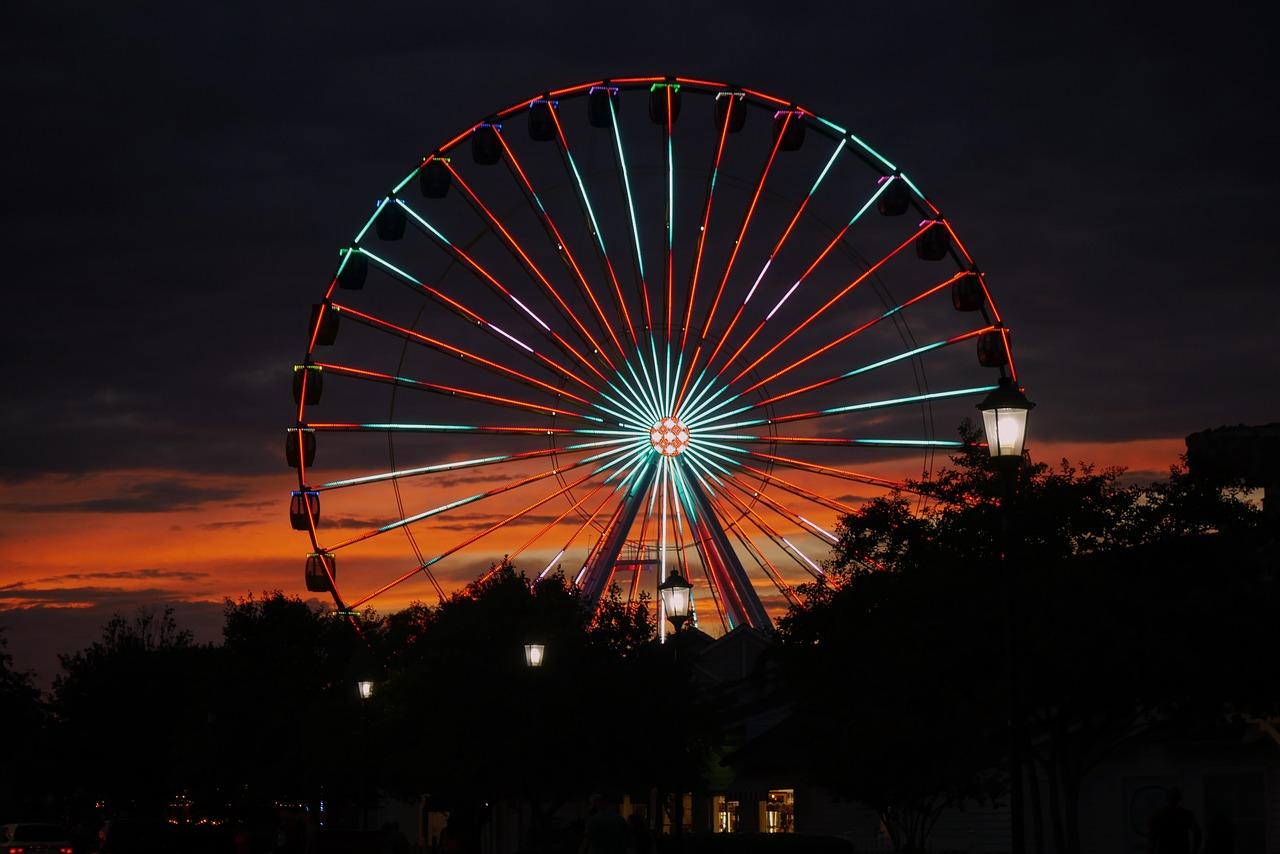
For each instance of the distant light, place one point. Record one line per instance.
(366, 689)
(534, 654)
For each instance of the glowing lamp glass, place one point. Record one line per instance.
(534, 654)
(1004, 419)
(365, 687)
(677, 598)
(669, 436)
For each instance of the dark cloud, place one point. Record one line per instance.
(174, 574)
(146, 496)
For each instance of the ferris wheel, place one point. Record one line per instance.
(625, 328)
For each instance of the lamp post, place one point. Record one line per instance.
(1004, 420)
(364, 689)
(677, 603)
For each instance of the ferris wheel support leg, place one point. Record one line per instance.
(737, 576)
(600, 568)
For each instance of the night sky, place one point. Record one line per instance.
(178, 179)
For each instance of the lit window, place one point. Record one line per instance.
(780, 811)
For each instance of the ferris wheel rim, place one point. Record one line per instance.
(577, 378)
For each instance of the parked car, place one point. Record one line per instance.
(34, 838)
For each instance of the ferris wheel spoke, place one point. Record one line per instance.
(766, 566)
(467, 314)
(762, 561)
(830, 471)
(453, 391)
(562, 246)
(858, 330)
(479, 429)
(734, 100)
(827, 441)
(531, 266)
(426, 565)
(455, 465)
(865, 369)
(700, 545)
(835, 241)
(796, 489)
(631, 211)
(583, 526)
(739, 583)
(801, 559)
(737, 315)
(802, 522)
(566, 156)
(488, 493)
(694, 361)
(494, 284)
(832, 301)
(453, 350)
(842, 410)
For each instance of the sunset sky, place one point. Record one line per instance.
(179, 181)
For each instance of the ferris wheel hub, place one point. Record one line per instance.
(669, 436)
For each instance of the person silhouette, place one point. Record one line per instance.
(1174, 829)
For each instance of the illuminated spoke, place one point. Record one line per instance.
(706, 219)
(471, 316)
(790, 548)
(489, 493)
(452, 350)
(776, 247)
(631, 210)
(436, 468)
(492, 282)
(805, 275)
(523, 257)
(566, 156)
(832, 301)
(473, 539)
(841, 410)
(733, 257)
(453, 391)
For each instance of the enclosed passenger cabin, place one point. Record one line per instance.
(542, 124)
(731, 106)
(434, 178)
(318, 579)
(789, 124)
(599, 101)
(308, 380)
(328, 320)
(993, 351)
(660, 95)
(304, 510)
(967, 293)
(895, 200)
(933, 243)
(391, 220)
(353, 270)
(300, 446)
(486, 148)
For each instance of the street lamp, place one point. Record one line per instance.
(677, 598)
(1004, 419)
(365, 687)
(534, 653)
